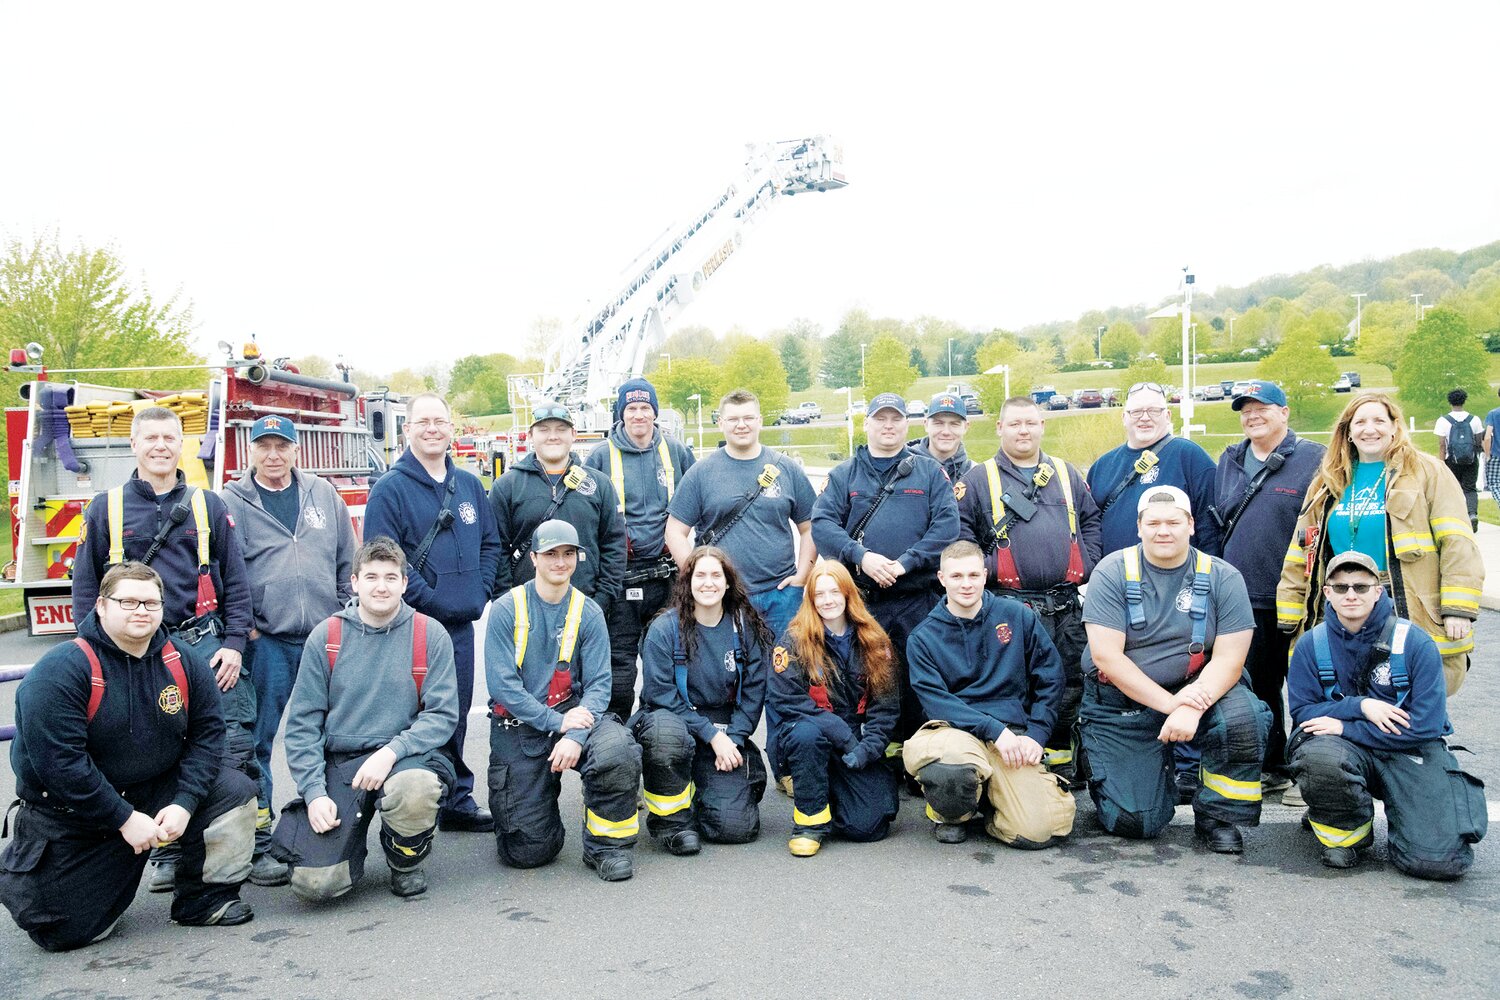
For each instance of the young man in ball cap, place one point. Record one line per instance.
(947, 423)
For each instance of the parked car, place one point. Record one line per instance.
(1043, 394)
(1353, 378)
(856, 409)
(1343, 384)
(1111, 396)
(1240, 388)
(1057, 402)
(1228, 386)
(916, 408)
(794, 416)
(1212, 393)
(1087, 399)
(971, 403)
(811, 410)
(1174, 395)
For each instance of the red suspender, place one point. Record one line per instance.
(173, 660)
(335, 639)
(96, 678)
(418, 647)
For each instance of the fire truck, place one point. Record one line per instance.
(71, 441)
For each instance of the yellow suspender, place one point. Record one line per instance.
(200, 520)
(997, 508)
(1067, 488)
(571, 624)
(115, 500)
(617, 471)
(1133, 564)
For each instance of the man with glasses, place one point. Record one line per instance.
(119, 747)
(1260, 486)
(1370, 705)
(551, 483)
(745, 498)
(438, 515)
(186, 534)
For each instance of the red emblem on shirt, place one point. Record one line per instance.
(1002, 632)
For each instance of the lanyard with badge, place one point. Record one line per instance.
(1358, 509)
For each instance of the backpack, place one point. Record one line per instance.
(1461, 441)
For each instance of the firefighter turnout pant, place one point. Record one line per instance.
(1434, 810)
(524, 791)
(327, 865)
(627, 620)
(1028, 807)
(1131, 777)
(898, 614)
(684, 790)
(66, 883)
(832, 796)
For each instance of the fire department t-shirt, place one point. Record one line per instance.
(1160, 649)
(761, 543)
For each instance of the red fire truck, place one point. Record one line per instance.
(71, 441)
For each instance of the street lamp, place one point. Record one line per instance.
(861, 369)
(1357, 297)
(1195, 357)
(1099, 344)
(849, 414)
(669, 363)
(1422, 310)
(997, 370)
(1416, 298)
(950, 357)
(1231, 333)
(699, 397)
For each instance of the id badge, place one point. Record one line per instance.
(635, 593)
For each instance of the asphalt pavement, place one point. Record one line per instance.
(905, 917)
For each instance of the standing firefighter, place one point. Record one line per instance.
(645, 466)
(546, 657)
(119, 746)
(373, 709)
(185, 534)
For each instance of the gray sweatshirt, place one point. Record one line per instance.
(296, 580)
(370, 699)
(523, 692)
(645, 481)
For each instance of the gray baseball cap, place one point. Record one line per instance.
(551, 534)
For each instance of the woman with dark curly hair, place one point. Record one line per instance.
(703, 685)
(1377, 494)
(834, 686)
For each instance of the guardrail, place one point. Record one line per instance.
(11, 674)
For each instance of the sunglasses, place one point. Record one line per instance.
(1343, 588)
(1153, 386)
(552, 411)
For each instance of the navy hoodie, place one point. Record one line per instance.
(913, 525)
(865, 733)
(1257, 548)
(984, 674)
(1181, 463)
(454, 584)
(717, 692)
(141, 737)
(521, 498)
(1426, 703)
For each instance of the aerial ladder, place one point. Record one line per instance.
(587, 364)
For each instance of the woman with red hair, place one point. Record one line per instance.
(833, 682)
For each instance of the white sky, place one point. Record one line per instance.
(408, 184)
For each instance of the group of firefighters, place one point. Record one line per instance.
(922, 619)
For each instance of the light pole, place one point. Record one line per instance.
(848, 392)
(950, 357)
(997, 370)
(1187, 314)
(861, 369)
(669, 363)
(699, 397)
(1195, 357)
(1416, 298)
(1099, 344)
(1422, 310)
(1357, 297)
(1231, 333)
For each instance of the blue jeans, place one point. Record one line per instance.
(273, 667)
(777, 607)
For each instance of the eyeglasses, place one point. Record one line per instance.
(1343, 588)
(1146, 411)
(131, 604)
(733, 421)
(1153, 386)
(422, 425)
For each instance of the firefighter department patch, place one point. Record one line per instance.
(959, 489)
(587, 487)
(1002, 632)
(170, 700)
(779, 659)
(466, 513)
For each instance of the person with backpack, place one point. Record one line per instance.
(371, 714)
(119, 746)
(1460, 435)
(1366, 693)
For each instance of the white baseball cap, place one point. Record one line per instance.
(1164, 494)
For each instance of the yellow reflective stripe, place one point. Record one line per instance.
(992, 474)
(1453, 647)
(1229, 788)
(1294, 554)
(941, 819)
(666, 805)
(410, 852)
(115, 502)
(1067, 489)
(893, 749)
(614, 829)
(1442, 527)
(1332, 836)
(1133, 564)
(522, 630)
(666, 463)
(617, 476)
(200, 521)
(1205, 563)
(1408, 541)
(570, 626)
(1057, 758)
(1461, 597)
(825, 815)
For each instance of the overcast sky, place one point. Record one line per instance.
(407, 184)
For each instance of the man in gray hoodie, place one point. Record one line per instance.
(299, 555)
(375, 702)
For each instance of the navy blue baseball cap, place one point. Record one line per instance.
(1262, 392)
(550, 410)
(274, 427)
(886, 401)
(947, 402)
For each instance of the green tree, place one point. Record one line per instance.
(1078, 347)
(1442, 355)
(688, 376)
(78, 305)
(1145, 370)
(1121, 342)
(887, 367)
(756, 367)
(477, 382)
(315, 365)
(1302, 368)
(794, 359)
(918, 360)
(841, 357)
(1027, 368)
